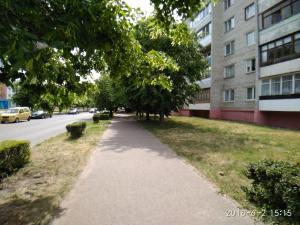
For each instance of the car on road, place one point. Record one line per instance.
(16, 114)
(73, 111)
(41, 114)
(93, 110)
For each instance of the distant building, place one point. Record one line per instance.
(6, 94)
(253, 48)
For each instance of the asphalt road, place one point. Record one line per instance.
(38, 130)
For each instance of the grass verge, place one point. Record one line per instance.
(34, 193)
(221, 150)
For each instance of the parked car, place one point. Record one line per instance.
(73, 111)
(41, 114)
(16, 114)
(93, 110)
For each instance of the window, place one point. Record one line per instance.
(283, 49)
(275, 86)
(297, 83)
(202, 14)
(250, 11)
(297, 43)
(204, 31)
(296, 7)
(203, 96)
(229, 95)
(251, 38)
(229, 24)
(265, 87)
(251, 65)
(229, 71)
(287, 85)
(229, 48)
(283, 85)
(280, 12)
(251, 95)
(228, 3)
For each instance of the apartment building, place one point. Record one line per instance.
(253, 48)
(6, 94)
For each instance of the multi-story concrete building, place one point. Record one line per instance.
(253, 48)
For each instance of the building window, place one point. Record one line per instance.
(203, 96)
(202, 14)
(229, 24)
(250, 11)
(283, 49)
(204, 31)
(228, 3)
(287, 85)
(251, 65)
(265, 87)
(283, 85)
(229, 95)
(280, 12)
(229, 48)
(297, 83)
(275, 86)
(229, 71)
(297, 43)
(251, 95)
(250, 38)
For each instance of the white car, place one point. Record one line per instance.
(73, 111)
(93, 110)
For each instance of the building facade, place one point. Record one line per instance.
(6, 94)
(253, 49)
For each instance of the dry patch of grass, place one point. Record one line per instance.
(221, 150)
(33, 194)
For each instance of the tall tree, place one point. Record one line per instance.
(165, 88)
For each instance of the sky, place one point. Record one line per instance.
(144, 5)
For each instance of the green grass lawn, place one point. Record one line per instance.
(33, 194)
(217, 147)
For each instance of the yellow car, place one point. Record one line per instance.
(14, 115)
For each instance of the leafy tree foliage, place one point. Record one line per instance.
(167, 74)
(104, 96)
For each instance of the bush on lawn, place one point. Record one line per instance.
(96, 117)
(104, 116)
(13, 156)
(76, 129)
(275, 185)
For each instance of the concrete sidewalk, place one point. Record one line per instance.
(133, 179)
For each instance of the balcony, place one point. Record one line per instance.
(205, 41)
(280, 68)
(288, 26)
(289, 104)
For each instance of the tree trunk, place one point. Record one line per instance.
(161, 116)
(147, 116)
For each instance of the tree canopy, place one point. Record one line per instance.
(91, 34)
(49, 46)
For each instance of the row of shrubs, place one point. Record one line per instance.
(76, 129)
(102, 116)
(13, 156)
(275, 187)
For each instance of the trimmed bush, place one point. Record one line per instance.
(110, 114)
(13, 156)
(96, 117)
(104, 116)
(76, 129)
(275, 186)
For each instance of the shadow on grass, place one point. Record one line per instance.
(25, 212)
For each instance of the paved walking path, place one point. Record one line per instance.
(133, 179)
